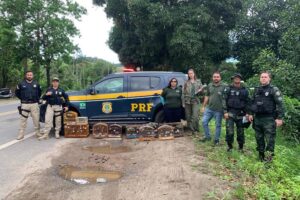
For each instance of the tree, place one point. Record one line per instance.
(80, 72)
(45, 28)
(171, 34)
(7, 53)
(285, 75)
(270, 25)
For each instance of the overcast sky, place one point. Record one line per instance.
(94, 29)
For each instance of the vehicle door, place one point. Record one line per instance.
(143, 94)
(107, 102)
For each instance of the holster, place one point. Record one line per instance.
(20, 111)
(58, 113)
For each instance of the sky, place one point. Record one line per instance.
(94, 29)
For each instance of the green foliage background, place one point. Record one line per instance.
(174, 35)
(246, 176)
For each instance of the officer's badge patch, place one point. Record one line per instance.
(237, 93)
(59, 93)
(267, 94)
(107, 107)
(277, 93)
(34, 85)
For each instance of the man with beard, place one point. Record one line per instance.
(29, 92)
(214, 109)
(268, 112)
(235, 104)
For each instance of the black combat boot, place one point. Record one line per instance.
(229, 149)
(262, 156)
(241, 146)
(269, 156)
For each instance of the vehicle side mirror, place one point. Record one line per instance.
(92, 90)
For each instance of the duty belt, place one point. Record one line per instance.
(264, 115)
(28, 102)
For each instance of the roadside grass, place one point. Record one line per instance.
(250, 178)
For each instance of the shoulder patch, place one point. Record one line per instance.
(277, 93)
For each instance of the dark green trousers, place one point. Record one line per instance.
(192, 116)
(239, 131)
(265, 133)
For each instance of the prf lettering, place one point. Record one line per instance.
(141, 107)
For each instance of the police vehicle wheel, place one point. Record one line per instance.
(160, 117)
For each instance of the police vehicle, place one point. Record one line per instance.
(132, 97)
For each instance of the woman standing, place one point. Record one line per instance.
(172, 101)
(192, 88)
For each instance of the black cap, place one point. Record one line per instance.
(237, 75)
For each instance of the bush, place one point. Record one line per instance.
(285, 75)
(291, 126)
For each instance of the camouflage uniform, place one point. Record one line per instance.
(267, 106)
(235, 103)
(192, 103)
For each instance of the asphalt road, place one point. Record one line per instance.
(15, 154)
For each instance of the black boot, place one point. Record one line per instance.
(241, 146)
(229, 149)
(269, 157)
(262, 156)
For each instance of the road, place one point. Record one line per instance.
(32, 169)
(14, 154)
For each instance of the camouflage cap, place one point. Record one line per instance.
(55, 79)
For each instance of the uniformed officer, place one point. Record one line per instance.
(29, 92)
(235, 102)
(192, 88)
(172, 95)
(57, 101)
(267, 107)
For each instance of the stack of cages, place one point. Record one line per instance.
(74, 126)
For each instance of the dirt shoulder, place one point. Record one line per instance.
(151, 170)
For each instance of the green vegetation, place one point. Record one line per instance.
(172, 34)
(36, 32)
(175, 35)
(251, 179)
(79, 73)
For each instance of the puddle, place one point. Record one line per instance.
(108, 149)
(88, 175)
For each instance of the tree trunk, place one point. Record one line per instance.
(3, 84)
(48, 74)
(25, 64)
(36, 70)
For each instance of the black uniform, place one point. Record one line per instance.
(267, 106)
(235, 104)
(58, 97)
(28, 92)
